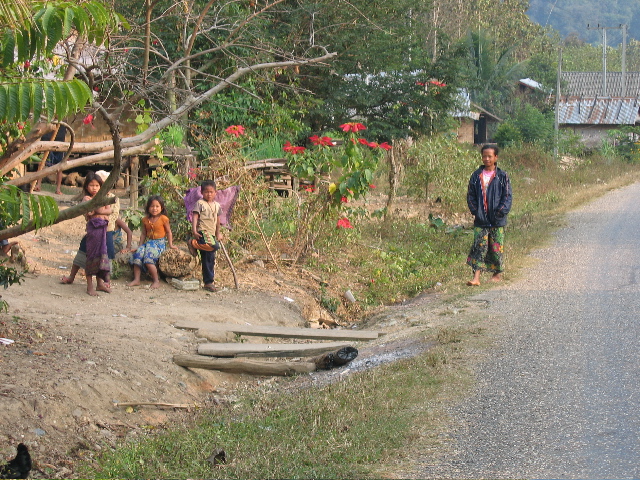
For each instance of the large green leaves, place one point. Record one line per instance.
(19, 207)
(53, 22)
(21, 101)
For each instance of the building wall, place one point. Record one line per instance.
(592, 135)
(465, 131)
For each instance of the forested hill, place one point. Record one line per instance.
(571, 17)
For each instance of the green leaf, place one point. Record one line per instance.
(80, 91)
(26, 209)
(9, 47)
(25, 100)
(61, 104)
(37, 99)
(71, 104)
(50, 96)
(82, 21)
(4, 102)
(35, 211)
(69, 15)
(54, 34)
(13, 103)
(23, 45)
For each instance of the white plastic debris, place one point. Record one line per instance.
(6, 341)
(288, 299)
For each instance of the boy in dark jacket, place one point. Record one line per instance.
(489, 200)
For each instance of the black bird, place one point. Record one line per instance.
(20, 466)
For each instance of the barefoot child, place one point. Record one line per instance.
(97, 263)
(114, 221)
(156, 234)
(205, 227)
(489, 200)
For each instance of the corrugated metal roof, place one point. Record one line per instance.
(589, 84)
(576, 110)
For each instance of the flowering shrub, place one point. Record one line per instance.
(354, 159)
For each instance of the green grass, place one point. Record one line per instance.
(368, 423)
(342, 430)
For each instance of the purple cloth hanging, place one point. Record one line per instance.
(226, 198)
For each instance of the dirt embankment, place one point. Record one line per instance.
(75, 355)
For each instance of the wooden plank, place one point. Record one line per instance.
(280, 332)
(267, 349)
(252, 367)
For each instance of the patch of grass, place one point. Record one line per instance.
(339, 431)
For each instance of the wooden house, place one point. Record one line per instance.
(476, 125)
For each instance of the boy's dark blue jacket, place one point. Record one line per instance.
(498, 199)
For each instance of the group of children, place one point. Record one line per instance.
(97, 247)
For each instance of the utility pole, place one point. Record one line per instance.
(556, 123)
(604, 55)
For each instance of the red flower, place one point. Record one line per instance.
(385, 146)
(323, 141)
(352, 127)
(373, 144)
(437, 83)
(293, 150)
(27, 64)
(88, 119)
(344, 199)
(363, 141)
(344, 223)
(371, 185)
(309, 189)
(235, 130)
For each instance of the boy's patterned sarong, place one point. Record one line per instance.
(487, 251)
(207, 242)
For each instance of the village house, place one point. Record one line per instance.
(590, 104)
(476, 125)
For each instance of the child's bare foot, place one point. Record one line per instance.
(497, 277)
(58, 192)
(105, 287)
(472, 283)
(135, 283)
(155, 285)
(192, 249)
(66, 280)
(92, 292)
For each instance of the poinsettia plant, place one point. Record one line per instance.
(353, 159)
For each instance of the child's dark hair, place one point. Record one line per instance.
(488, 146)
(158, 199)
(208, 183)
(88, 179)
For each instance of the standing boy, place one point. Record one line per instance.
(205, 227)
(489, 200)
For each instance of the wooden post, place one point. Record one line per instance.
(133, 188)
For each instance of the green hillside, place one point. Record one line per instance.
(571, 17)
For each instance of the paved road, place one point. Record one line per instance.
(560, 397)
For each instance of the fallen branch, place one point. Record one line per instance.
(153, 404)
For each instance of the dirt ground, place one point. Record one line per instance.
(74, 355)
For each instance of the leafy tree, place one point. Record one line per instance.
(213, 46)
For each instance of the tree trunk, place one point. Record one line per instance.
(393, 183)
(251, 367)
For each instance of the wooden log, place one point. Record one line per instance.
(267, 349)
(279, 332)
(251, 367)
